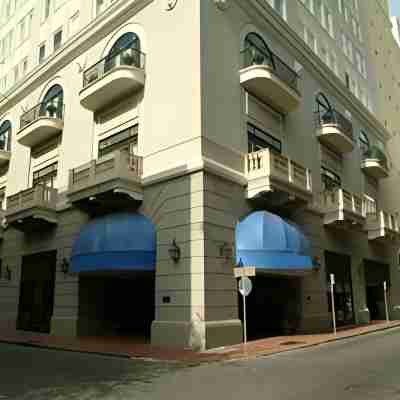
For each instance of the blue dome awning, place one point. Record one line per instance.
(115, 242)
(268, 242)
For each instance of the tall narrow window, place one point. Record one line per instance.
(47, 6)
(42, 53)
(5, 136)
(347, 80)
(57, 40)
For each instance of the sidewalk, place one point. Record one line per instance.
(129, 348)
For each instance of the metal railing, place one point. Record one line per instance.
(42, 110)
(37, 196)
(119, 164)
(252, 55)
(128, 56)
(270, 163)
(334, 117)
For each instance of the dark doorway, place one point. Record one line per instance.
(375, 274)
(36, 297)
(340, 266)
(116, 305)
(272, 306)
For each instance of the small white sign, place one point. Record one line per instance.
(332, 276)
(385, 286)
(244, 271)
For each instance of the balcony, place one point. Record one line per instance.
(269, 78)
(40, 124)
(342, 209)
(33, 209)
(374, 163)
(109, 183)
(112, 78)
(382, 227)
(334, 130)
(275, 177)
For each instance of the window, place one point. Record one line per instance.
(57, 40)
(102, 5)
(46, 176)
(363, 142)
(24, 66)
(330, 179)
(340, 6)
(279, 6)
(47, 5)
(42, 53)
(347, 80)
(333, 63)
(16, 74)
(310, 39)
(125, 139)
(5, 136)
(53, 103)
(259, 139)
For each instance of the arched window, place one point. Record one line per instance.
(364, 142)
(257, 51)
(5, 136)
(125, 51)
(53, 103)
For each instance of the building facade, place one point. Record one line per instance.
(149, 146)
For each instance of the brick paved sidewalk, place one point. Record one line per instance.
(129, 348)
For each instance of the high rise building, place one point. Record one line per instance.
(148, 147)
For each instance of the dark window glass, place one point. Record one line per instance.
(259, 139)
(330, 180)
(5, 136)
(118, 141)
(42, 53)
(364, 142)
(57, 40)
(46, 175)
(53, 102)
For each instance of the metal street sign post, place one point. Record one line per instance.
(245, 287)
(332, 277)
(386, 303)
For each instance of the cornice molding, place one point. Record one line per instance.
(314, 64)
(77, 45)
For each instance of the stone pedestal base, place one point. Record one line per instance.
(363, 316)
(64, 326)
(196, 335)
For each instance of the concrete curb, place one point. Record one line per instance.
(213, 357)
(307, 345)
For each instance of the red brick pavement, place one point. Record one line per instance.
(131, 348)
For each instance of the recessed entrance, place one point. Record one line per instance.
(36, 297)
(340, 266)
(116, 304)
(273, 306)
(375, 274)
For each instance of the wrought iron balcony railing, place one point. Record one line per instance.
(42, 110)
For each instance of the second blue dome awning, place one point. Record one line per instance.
(268, 242)
(115, 242)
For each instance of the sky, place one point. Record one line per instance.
(395, 7)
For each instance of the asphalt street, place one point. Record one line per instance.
(367, 367)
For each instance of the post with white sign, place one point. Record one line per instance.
(332, 276)
(245, 287)
(386, 303)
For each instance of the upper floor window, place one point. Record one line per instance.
(5, 136)
(102, 5)
(364, 142)
(42, 53)
(126, 139)
(57, 40)
(127, 49)
(46, 176)
(279, 6)
(53, 102)
(330, 179)
(47, 6)
(259, 139)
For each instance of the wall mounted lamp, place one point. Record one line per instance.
(174, 252)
